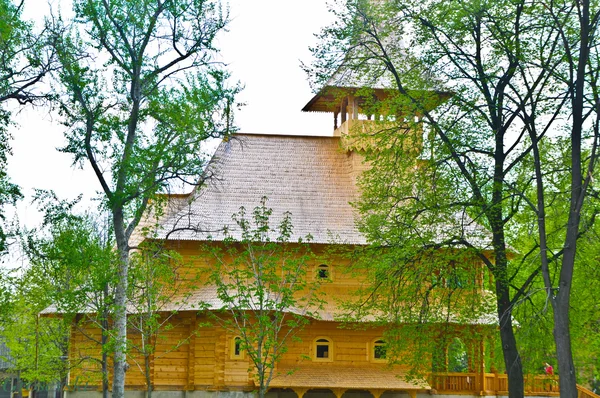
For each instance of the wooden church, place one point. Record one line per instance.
(313, 178)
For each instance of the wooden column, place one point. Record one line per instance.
(412, 393)
(492, 343)
(351, 107)
(335, 117)
(191, 368)
(481, 364)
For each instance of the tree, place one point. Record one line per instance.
(509, 76)
(25, 59)
(261, 279)
(71, 269)
(159, 289)
(576, 25)
(140, 92)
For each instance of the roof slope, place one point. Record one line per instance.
(308, 176)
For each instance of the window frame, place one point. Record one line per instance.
(326, 267)
(378, 342)
(232, 350)
(316, 343)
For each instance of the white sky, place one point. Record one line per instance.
(266, 41)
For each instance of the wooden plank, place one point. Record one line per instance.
(172, 361)
(173, 355)
(171, 368)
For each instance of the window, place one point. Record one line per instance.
(323, 272)
(379, 350)
(323, 349)
(236, 348)
(454, 277)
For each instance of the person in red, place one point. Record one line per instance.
(548, 369)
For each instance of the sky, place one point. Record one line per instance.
(266, 41)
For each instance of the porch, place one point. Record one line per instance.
(497, 384)
(343, 383)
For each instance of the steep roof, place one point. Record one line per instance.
(311, 177)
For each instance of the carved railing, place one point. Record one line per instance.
(453, 382)
(497, 384)
(583, 392)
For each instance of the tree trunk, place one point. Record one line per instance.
(562, 339)
(561, 300)
(512, 359)
(103, 342)
(120, 359)
(560, 304)
(148, 376)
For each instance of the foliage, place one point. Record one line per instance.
(71, 268)
(70, 262)
(24, 61)
(159, 288)
(140, 116)
(492, 81)
(261, 280)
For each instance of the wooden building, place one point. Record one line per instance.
(314, 178)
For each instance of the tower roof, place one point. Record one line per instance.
(328, 99)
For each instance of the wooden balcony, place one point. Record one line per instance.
(497, 384)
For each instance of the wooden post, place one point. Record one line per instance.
(492, 343)
(191, 377)
(412, 393)
(481, 366)
(335, 117)
(351, 107)
(343, 109)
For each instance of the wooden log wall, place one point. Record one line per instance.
(188, 356)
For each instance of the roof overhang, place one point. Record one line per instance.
(338, 377)
(328, 98)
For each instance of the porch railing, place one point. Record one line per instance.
(497, 384)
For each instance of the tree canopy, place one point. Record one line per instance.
(140, 91)
(510, 69)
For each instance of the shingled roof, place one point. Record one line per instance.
(362, 378)
(311, 177)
